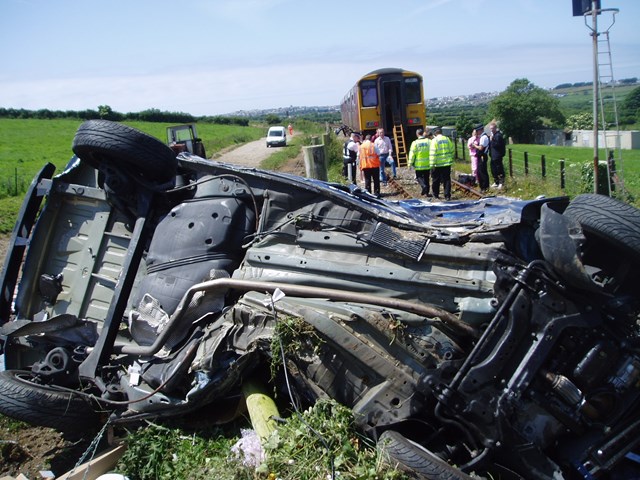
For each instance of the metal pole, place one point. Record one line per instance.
(596, 81)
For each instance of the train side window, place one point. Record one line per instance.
(412, 90)
(369, 93)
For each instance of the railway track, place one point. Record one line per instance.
(465, 190)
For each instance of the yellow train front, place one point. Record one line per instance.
(391, 98)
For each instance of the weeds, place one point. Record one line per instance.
(292, 336)
(323, 443)
(320, 443)
(155, 452)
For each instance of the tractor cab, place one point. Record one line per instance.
(184, 138)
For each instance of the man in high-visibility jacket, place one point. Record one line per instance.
(419, 159)
(441, 159)
(370, 165)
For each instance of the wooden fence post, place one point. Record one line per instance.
(543, 166)
(562, 174)
(510, 163)
(462, 146)
(526, 163)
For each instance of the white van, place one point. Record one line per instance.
(276, 137)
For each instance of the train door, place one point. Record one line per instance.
(392, 104)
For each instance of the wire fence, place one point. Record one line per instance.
(16, 183)
(558, 174)
(562, 175)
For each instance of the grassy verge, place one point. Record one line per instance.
(310, 132)
(319, 443)
(525, 179)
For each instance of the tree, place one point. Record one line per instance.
(580, 121)
(105, 112)
(524, 107)
(630, 106)
(273, 119)
(464, 126)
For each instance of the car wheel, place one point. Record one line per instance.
(23, 399)
(411, 457)
(102, 143)
(608, 219)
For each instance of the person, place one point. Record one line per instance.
(349, 157)
(419, 159)
(472, 145)
(483, 159)
(290, 127)
(370, 165)
(497, 150)
(440, 161)
(383, 144)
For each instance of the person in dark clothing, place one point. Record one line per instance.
(349, 157)
(497, 150)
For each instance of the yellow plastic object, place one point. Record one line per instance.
(262, 409)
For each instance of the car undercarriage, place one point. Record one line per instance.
(497, 337)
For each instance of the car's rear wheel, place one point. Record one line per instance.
(46, 406)
(408, 456)
(105, 144)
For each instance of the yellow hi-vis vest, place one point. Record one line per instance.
(419, 154)
(441, 152)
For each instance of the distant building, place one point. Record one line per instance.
(629, 139)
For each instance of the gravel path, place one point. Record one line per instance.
(248, 155)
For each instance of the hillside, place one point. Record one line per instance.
(576, 98)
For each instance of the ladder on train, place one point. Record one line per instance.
(401, 148)
(609, 120)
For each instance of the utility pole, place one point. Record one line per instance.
(592, 8)
(596, 86)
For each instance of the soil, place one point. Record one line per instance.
(28, 450)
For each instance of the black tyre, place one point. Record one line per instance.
(44, 406)
(410, 457)
(111, 144)
(608, 219)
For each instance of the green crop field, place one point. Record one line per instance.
(580, 99)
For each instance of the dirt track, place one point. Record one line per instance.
(248, 155)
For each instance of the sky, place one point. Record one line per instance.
(210, 57)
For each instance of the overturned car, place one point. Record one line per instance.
(498, 336)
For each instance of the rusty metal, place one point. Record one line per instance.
(466, 189)
(402, 192)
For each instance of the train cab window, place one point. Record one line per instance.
(412, 90)
(369, 93)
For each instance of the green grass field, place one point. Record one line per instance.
(628, 169)
(31, 143)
